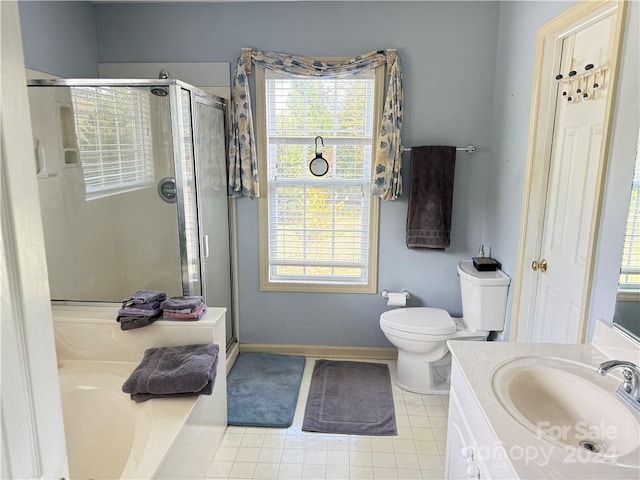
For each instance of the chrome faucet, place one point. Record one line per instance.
(630, 388)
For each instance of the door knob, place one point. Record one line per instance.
(467, 452)
(542, 265)
(472, 471)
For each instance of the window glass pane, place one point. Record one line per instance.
(327, 107)
(318, 227)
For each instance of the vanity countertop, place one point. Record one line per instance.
(530, 455)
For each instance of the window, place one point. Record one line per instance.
(318, 233)
(113, 130)
(630, 265)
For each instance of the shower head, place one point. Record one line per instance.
(160, 91)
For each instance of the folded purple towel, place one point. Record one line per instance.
(207, 390)
(182, 310)
(130, 322)
(170, 371)
(144, 296)
(181, 303)
(155, 305)
(138, 312)
(196, 314)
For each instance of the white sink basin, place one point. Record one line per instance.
(569, 405)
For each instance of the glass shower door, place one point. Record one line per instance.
(102, 152)
(188, 231)
(213, 206)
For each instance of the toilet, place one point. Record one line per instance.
(420, 333)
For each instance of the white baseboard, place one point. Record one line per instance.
(377, 353)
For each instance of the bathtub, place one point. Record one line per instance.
(108, 435)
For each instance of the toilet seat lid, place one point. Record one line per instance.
(430, 321)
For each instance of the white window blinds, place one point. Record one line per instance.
(630, 265)
(319, 227)
(113, 130)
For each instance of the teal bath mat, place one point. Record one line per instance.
(262, 389)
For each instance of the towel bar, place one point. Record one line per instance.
(468, 149)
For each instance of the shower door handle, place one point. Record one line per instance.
(205, 244)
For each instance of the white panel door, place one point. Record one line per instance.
(571, 189)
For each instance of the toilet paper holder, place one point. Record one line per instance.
(385, 294)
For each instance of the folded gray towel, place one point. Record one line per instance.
(134, 311)
(185, 369)
(431, 197)
(155, 305)
(207, 390)
(128, 322)
(144, 296)
(181, 303)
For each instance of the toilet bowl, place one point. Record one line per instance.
(421, 333)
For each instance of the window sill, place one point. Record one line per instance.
(316, 288)
(628, 296)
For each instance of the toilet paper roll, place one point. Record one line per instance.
(397, 299)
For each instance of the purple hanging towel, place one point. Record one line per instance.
(431, 197)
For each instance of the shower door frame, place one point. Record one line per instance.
(215, 101)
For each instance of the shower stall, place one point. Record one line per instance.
(132, 177)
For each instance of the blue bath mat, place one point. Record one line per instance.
(262, 389)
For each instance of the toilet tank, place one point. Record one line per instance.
(484, 297)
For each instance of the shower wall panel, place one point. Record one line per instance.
(81, 254)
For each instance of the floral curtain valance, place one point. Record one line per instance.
(243, 162)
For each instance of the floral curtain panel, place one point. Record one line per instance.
(243, 163)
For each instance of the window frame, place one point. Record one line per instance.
(263, 201)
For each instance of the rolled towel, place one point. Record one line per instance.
(128, 322)
(144, 296)
(169, 371)
(181, 303)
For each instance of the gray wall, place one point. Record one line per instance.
(510, 127)
(509, 137)
(60, 37)
(448, 56)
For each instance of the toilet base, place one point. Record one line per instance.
(416, 375)
(442, 390)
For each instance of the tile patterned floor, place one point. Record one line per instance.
(417, 452)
